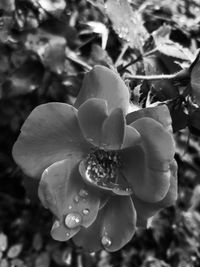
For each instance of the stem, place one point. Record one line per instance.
(122, 69)
(153, 77)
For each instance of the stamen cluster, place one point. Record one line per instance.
(102, 166)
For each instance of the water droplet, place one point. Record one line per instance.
(106, 241)
(83, 193)
(67, 234)
(76, 199)
(70, 207)
(86, 211)
(72, 220)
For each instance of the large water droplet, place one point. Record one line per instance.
(83, 193)
(106, 241)
(73, 220)
(86, 211)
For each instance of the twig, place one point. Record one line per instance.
(140, 57)
(152, 77)
(123, 51)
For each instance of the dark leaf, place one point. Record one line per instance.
(24, 80)
(195, 79)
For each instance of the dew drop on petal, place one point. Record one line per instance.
(76, 199)
(68, 234)
(106, 241)
(83, 193)
(86, 211)
(73, 220)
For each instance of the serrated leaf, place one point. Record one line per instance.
(3, 242)
(126, 22)
(14, 251)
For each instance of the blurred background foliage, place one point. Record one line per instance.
(46, 46)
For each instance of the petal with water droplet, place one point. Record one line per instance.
(116, 221)
(60, 232)
(58, 187)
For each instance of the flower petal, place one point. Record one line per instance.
(113, 228)
(159, 113)
(91, 115)
(104, 83)
(119, 222)
(63, 191)
(113, 130)
(147, 165)
(158, 143)
(50, 133)
(132, 137)
(146, 210)
(60, 232)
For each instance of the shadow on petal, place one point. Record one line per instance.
(113, 130)
(91, 115)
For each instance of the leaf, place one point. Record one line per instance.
(5, 28)
(194, 121)
(195, 79)
(14, 251)
(54, 7)
(43, 260)
(3, 242)
(37, 242)
(99, 56)
(24, 80)
(50, 48)
(7, 5)
(169, 48)
(161, 89)
(126, 22)
(4, 263)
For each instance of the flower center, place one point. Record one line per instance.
(102, 166)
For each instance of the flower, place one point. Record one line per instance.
(103, 171)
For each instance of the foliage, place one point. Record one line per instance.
(46, 48)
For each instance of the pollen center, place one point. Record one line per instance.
(102, 166)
